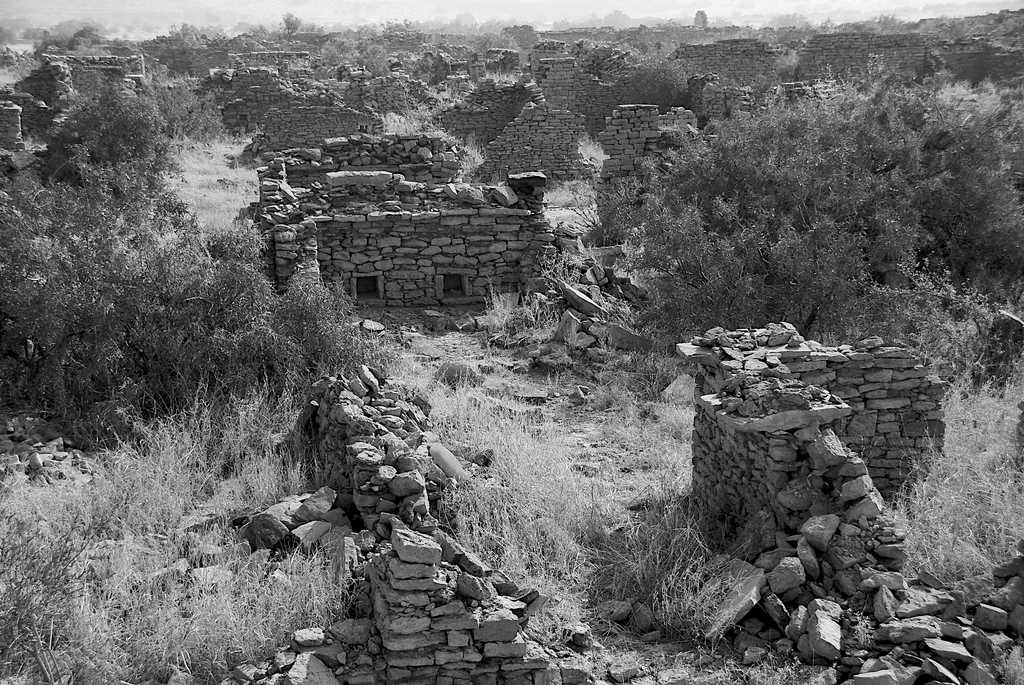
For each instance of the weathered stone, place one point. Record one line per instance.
(415, 548)
(263, 531)
(787, 575)
(818, 530)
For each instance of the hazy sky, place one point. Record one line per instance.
(156, 14)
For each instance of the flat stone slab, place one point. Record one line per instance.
(780, 421)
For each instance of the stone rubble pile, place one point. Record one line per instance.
(425, 609)
(819, 555)
(32, 452)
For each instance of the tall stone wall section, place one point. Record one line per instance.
(541, 139)
(567, 86)
(848, 55)
(309, 125)
(488, 109)
(895, 397)
(10, 126)
(742, 61)
(635, 132)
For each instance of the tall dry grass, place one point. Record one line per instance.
(212, 182)
(967, 513)
(132, 616)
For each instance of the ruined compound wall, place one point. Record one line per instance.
(975, 59)
(488, 109)
(744, 61)
(539, 139)
(246, 95)
(635, 132)
(309, 125)
(567, 86)
(546, 49)
(396, 92)
(428, 158)
(848, 55)
(51, 83)
(405, 238)
(897, 419)
(10, 126)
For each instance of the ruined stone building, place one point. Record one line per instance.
(397, 242)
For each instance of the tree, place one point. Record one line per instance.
(700, 20)
(292, 24)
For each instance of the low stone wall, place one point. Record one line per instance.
(743, 61)
(895, 397)
(541, 139)
(634, 132)
(488, 109)
(309, 125)
(10, 126)
(849, 54)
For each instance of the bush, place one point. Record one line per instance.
(185, 113)
(118, 136)
(125, 300)
(816, 211)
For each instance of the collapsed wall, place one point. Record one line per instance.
(488, 109)
(850, 54)
(636, 132)
(895, 396)
(540, 138)
(423, 609)
(743, 61)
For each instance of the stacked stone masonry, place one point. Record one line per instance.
(894, 396)
(542, 139)
(488, 109)
(308, 125)
(10, 126)
(847, 55)
(567, 86)
(742, 61)
(402, 243)
(246, 95)
(635, 132)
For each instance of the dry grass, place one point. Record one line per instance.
(213, 184)
(1014, 667)
(968, 512)
(129, 621)
(592, 153)
(417, 121)
(471, 158)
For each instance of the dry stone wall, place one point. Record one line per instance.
(401, 243)
(850, 54)
(246, 95)
(894, 395)
(744, 61)
(566, 86)
(36, 116)
(977, 59)
(488, 108)
(395, 92)
(635, 132)
(10, 126)
(309, 125)
(542, 139)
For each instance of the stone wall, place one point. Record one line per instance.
(634, 132)
(976, 59)
(742, 61)
(428, 158)
(566, 86)
(50, 82)
(546, 49)
(488, 109)
(895, 397)
(309, 125)
(10, 126)
(395, 92)
(246, 95)
(848, 55)
(401, 243)
(541, 139)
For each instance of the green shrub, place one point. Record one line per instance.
(816, 212)
(125, 300)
